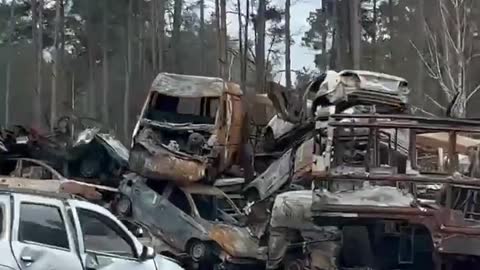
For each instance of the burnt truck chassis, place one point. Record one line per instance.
(453, 227)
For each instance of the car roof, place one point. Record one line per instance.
(38, 193)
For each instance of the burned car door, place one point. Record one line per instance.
(41, 237)
(230, 123)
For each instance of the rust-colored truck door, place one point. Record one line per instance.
(230, 122)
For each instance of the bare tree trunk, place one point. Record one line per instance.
(342, 34)
(203, 60)
(223, 38)
(91, 63)
(11, 28)
(324, 37)
(288, 75)
(153, 26)
(240, 43)
(128, 71)
(355, 33)
(392, 38)
(56, 63)
(374, 35)
(245, 47)
(420, 18)
(105, 68)
(218, 25)
(38, 41)
(161, 35)
(177, 23)
(260, 47)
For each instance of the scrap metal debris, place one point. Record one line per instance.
(346, 178)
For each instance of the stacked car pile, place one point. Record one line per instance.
(191, 146)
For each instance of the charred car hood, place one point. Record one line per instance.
(236, 241)
(151, 158)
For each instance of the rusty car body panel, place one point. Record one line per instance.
(191, 217)
(192, 124)
(33, 178)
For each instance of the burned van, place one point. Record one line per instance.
(189, 129)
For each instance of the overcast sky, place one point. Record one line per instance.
(300, 9)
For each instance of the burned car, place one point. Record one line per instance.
(189, 129)
(389, 93)
(37, 175)
(195, 219)
(296, 110)
(90, 154)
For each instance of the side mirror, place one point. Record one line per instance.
(138, 232)
(91, 262)
(148, 253)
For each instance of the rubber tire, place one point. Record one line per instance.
(201, 246)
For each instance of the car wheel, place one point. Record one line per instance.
(197, 250)
(294, 264)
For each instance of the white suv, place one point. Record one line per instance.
(55, 231)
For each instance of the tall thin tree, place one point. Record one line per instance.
(245, 46)
(355, 33)
(37, 21)
(105, 67)
(203, 60)
(57, 63)
(260, 46)
(11, 28)
(161, 34)
(91, 100)
(153, 34)
(288, 75)
(223, 38)
(128, 73)
(176, 39)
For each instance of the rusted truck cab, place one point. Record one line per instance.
(189, 129)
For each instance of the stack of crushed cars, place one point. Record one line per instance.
(89, 162)
(203, 194)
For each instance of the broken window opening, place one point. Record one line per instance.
(180, 200)
(206, 206)
(183, 110)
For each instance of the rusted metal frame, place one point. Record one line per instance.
(412, 151)
(446, 121)
(452, 139)
(407, 211)
(465, 181)
(430, 218)
(407, 125)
